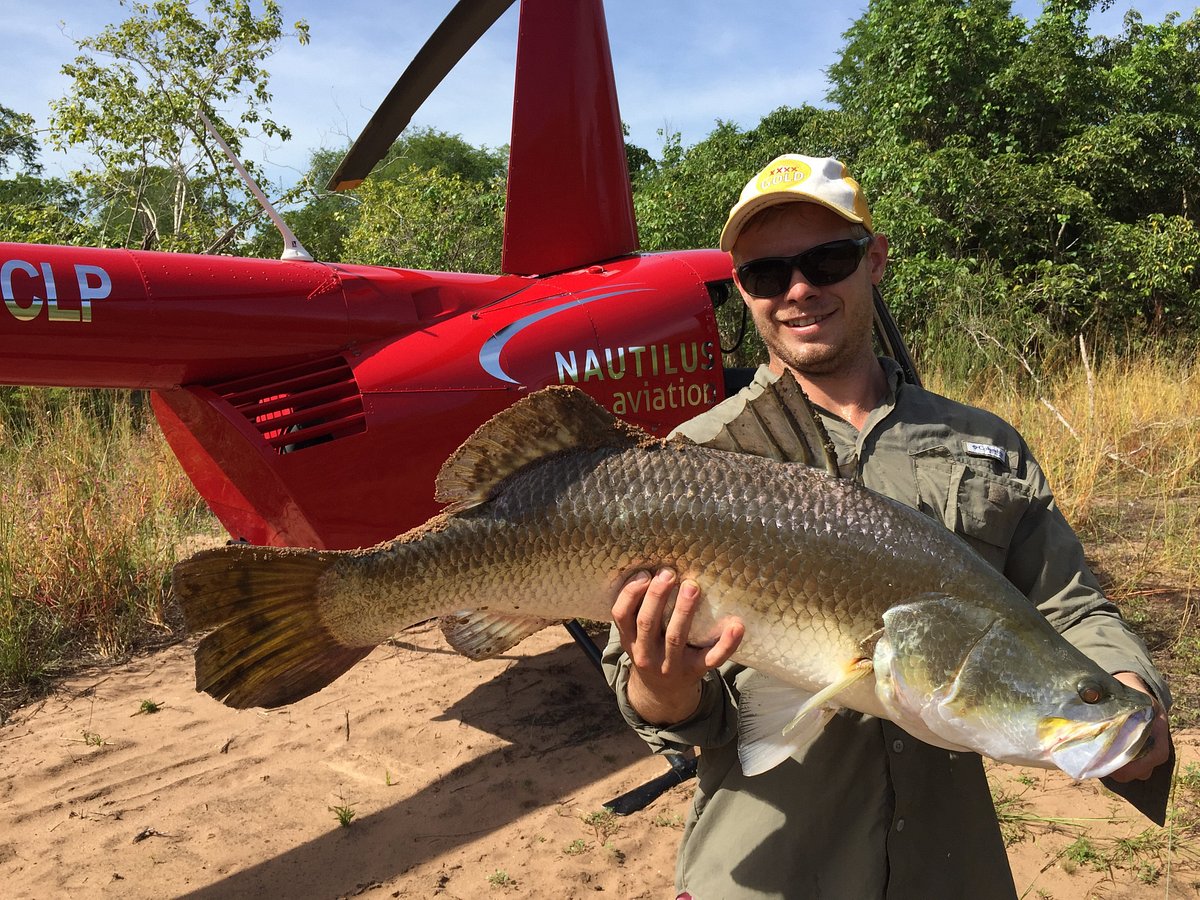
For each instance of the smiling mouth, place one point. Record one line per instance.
(805, 321)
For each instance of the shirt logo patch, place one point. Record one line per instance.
(989, 451)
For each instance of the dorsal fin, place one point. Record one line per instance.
(780, 424)
(549, 421)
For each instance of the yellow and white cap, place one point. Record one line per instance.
(791, 178)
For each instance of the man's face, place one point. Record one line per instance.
(812, 330)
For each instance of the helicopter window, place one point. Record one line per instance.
(731, 318)
(720, 292)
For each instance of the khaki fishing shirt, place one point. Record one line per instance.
(873, 812)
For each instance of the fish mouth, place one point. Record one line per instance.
(1098, 748)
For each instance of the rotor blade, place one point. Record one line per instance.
(458, 32)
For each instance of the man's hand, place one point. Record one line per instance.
(1157, 748)
(664, 682)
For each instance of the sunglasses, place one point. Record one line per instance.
(821, 265)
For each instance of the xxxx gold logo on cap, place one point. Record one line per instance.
(780, 178)
(813, 179)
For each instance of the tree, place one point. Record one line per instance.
(16, 139)
(430, 148)
(424, 219)
(1034, 180)
(1049, 85)
(683, 202)
(1143, 154)
(921, 72)
(638, 160)
(163, 182)
(392, 199)
(320, 221)
(43, 211)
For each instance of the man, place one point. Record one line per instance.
(870, 812)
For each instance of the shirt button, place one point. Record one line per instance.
(897, 745)
(899, 824)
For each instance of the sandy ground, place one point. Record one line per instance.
(464, 779)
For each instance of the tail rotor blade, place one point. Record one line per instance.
(459, 31)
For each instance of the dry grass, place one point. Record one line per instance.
(92, 505)
(1125, 432)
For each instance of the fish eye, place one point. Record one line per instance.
(1090, 692)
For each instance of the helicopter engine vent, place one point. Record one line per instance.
(300, 406)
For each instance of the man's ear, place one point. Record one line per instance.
(877, 256)
(738, 282)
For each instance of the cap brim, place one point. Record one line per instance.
(737, 221)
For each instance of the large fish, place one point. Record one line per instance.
(849, 599)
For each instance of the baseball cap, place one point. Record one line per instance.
(792, 178)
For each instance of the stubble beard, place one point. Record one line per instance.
(807, 360)
(819, 359)
(811, 359)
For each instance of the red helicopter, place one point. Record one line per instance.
(312, 403)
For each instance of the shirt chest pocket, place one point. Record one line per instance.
(969, 498)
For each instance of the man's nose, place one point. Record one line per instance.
(799, 288)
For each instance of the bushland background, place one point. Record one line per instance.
(1038, 185)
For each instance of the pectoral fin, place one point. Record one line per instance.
(861, 669)
(766, 709)
(770, 729)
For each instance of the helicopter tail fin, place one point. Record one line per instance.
(569, 198)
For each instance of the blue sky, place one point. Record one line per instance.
(680, 66)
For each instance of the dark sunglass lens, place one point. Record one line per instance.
(766, 277)
(831, 263)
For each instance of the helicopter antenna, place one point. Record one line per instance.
(292, 248)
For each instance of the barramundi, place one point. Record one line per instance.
(849, 599)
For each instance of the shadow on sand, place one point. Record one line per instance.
(575, 738)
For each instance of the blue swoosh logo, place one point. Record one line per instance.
(489, 353)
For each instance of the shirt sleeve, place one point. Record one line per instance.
(1046, 562)
(713, 724)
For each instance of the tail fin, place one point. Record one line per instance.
(270, 646)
